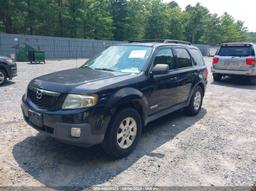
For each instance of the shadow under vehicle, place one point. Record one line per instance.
(59, 165)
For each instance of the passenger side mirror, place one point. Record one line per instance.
(160, 69)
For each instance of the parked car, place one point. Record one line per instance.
(8, 69)
(113, 96)
(237, 59)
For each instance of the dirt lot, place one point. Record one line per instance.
(218, 147)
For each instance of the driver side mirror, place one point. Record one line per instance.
(160, 69)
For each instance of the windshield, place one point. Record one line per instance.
(236, 51)
(126, 59)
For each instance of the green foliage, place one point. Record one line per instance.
(97, 20)
(157, 26)
(173, 4)
(229, 29)
(196, 23)
(120, 20)
(136, 19)
(213, 34)
(252, 37)
(176, 20)
(119, 11)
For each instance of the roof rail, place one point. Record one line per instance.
(162, 41)
(147, 40)
(177, 41)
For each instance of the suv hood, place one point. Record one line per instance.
(4, 58)
(65, 81)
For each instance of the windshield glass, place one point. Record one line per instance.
(126, 59)
(236, 51)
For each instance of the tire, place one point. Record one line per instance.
(195, 103)
(119, 148)
(3, 77)
(217, 77)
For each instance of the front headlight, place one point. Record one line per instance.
(9, 60)
(74, 101)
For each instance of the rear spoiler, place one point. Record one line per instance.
(237, 44)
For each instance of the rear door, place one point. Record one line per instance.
(233, 57)
(186, 74)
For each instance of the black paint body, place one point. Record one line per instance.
(152, 95)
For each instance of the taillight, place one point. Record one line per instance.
(215, 60)
(250, 61)
(206, 73)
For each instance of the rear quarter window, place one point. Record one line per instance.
(243, 51)
(197, 56)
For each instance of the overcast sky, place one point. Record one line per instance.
(243, 10)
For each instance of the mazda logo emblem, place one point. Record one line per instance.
(39, 94)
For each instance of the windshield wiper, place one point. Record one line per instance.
(105, 69)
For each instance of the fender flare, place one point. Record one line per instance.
(193, 90)
(128, 95)
(5, 68)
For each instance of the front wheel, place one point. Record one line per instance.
(3, 77)
(195, 103)
(123, 133)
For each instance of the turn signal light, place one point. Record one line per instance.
(250, 61)
(215, 60)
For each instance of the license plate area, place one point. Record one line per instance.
(35, 118)
(227, 63)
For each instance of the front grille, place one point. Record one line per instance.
(45, 99)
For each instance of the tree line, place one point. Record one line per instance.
(120, 20)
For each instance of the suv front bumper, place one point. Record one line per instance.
(251, 72)
(12, 70)
(55, 125)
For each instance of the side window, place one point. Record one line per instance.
(197, 56)
(165, 56)
(183, 58)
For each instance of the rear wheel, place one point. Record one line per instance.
(196, 101)
(3, 77)
(123, 133)
(217, 77)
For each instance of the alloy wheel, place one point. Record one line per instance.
(2, 77)
(126, 133)
(197, 100)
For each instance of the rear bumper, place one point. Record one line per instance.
(55, 126)
(251, 72)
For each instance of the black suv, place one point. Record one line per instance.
(8, 69)
(108, 100)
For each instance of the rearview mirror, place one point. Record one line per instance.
(160, 69)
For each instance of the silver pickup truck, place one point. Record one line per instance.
(235, 59)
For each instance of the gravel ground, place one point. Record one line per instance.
(217, 147)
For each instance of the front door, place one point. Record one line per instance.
(163, 87)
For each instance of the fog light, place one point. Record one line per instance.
(75, 132)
